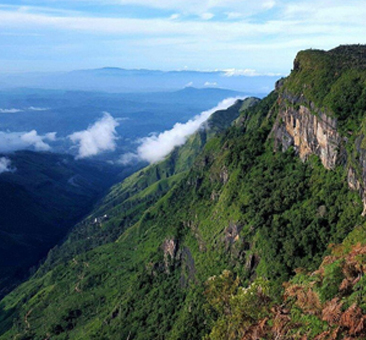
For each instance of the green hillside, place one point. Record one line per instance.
(126, 202)
(201, 245)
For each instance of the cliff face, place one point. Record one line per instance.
(307, 132)
(322, 120)
(313, 132)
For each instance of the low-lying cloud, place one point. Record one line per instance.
(12, 141)
(129, 158)
(10, 110)
(34, 108)
(31, 108)
(5, 165)
(97, 138)
(210, 84)
(248, 72)
(32, 138)
(155, 148)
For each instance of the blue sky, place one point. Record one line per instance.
(257, 37)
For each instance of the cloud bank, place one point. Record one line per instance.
(210, 84)
(12, 141)
(33, 108)
(232, 72)
(5, 165)
(154, 149)
(97, 138)
(10, 110)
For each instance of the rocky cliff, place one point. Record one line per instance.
(307, 129)
(311, 127)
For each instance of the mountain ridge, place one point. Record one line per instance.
(208, 257)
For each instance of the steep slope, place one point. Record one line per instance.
(126, 202)
(247, 213)
(124, 205)
(45, 195)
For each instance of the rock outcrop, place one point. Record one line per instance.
(170, 248)
(308, 130)
(303, 126)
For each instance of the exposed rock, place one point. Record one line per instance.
(301, 125)
(352, 180)
(322, 211)
(214, 195)
(224, 175)
(170, 248)
(232, 234)
(307, 133)
(279, 83)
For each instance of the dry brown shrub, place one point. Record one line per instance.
(309, 301)
(332, 311)
(257, 331)
(353, 319)
(329, 260)
(345, 284)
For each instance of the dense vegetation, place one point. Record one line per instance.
(200, 245)
(335, 81)
(126, 202)
(325, 304)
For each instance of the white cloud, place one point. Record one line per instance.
(270, 40)
(51, 136)
(190, 6)
(32, 108)
(5, 165)
(32, 138)
(234, 15)
(233, 72)
(10, 110)
(208, 84)
(155, 148)
(174, 16)
(128, 158)
(293, 20)
(207, 16)
(190, 84)
(127, 26)
(12, 141)
(97, 138)
(269, 4)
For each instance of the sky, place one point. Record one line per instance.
(260, 35)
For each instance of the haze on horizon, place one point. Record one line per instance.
(247, 37)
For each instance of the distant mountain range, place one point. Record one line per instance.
(112, 79)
